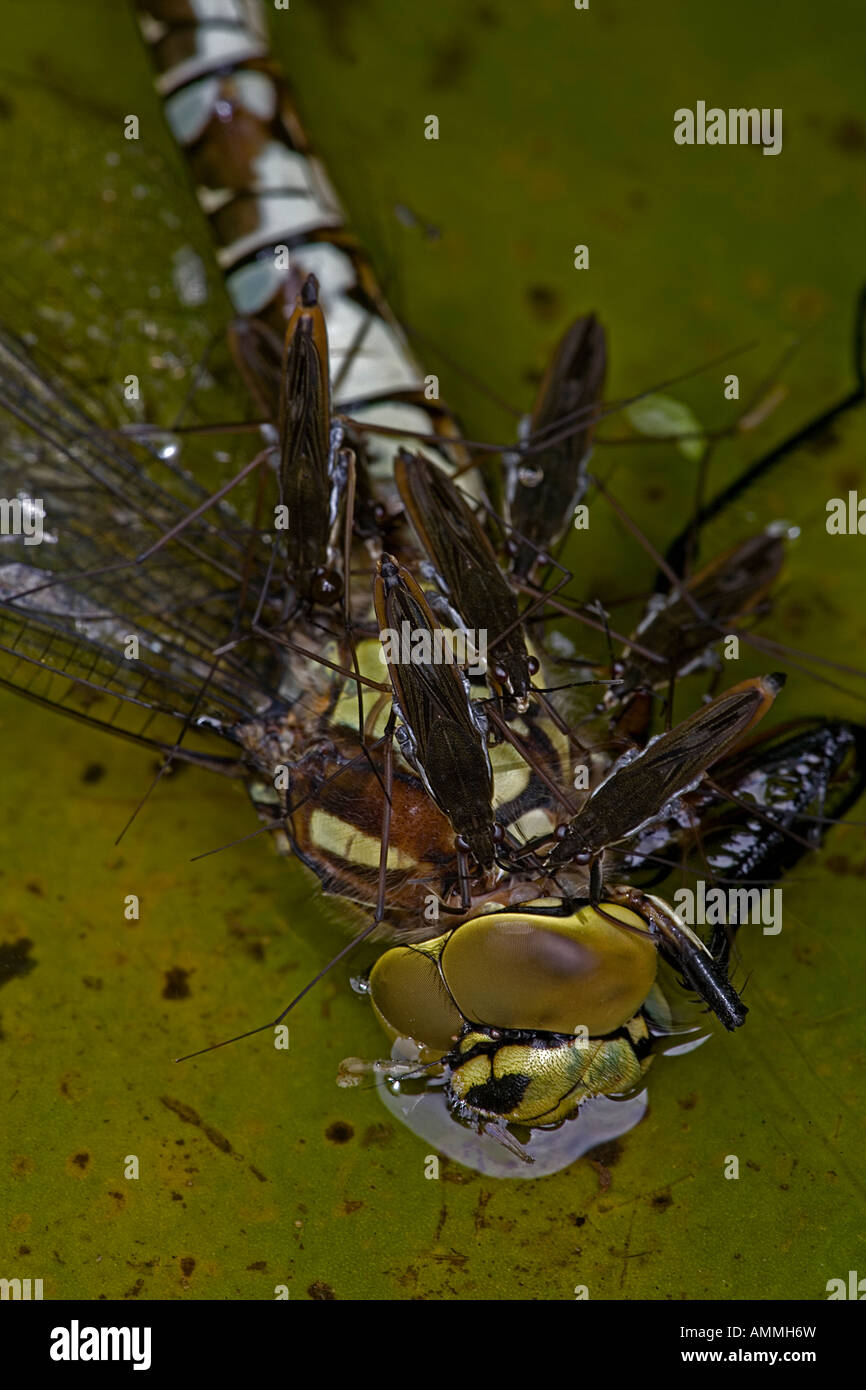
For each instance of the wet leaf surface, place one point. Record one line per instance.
(254, 1170)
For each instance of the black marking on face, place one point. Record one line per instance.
(499, 1095)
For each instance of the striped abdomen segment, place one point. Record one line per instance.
(263, 189)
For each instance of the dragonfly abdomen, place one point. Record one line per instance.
(271, 207)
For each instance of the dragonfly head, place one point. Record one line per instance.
(569, 849)
(511, 675)
(539, 1080)
(479, 839)
(531, 1011)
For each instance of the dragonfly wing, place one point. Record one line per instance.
(73, 593)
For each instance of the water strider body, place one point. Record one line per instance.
(525, 981)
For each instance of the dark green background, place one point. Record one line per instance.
(556, 128)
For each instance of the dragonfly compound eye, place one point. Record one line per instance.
(410, 999)
(527, 971)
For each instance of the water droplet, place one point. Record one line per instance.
(785, 529)
(165, 446)
(189, 276)
(530, 477)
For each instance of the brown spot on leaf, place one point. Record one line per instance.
(339, 1132)
(455, 1259)
(608, 1154)
(321, 1292)
(850, 135)
(661, 1201)
(72, 1086)
(543, 301)
(94, 772)
(189, 1116)
(252, 941)
(450, 60)
(77, 1164)
(688, 1102)
(840, 864)
(377, 1136)
(480, 1209)
(604, 1157)
(176, 983)
(334, 16)
(187, 1265)
(218, 1140)
(15, 959)
(604, 1177)
(452, 1172)
(180, 1108)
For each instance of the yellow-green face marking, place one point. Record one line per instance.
(541, 1082)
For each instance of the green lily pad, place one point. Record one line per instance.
(128, 1176)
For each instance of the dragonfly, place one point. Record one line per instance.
(187, 621)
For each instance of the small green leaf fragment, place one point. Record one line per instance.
(661, 417)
